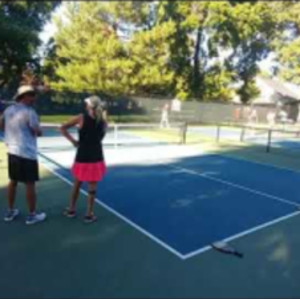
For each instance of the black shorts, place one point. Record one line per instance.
(22, 170)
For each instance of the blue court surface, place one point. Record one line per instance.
(187, 204)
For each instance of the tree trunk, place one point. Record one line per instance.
(197, 77)
(196, 56)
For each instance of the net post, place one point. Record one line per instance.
(183, 133)
(268, 148)
(218, 132)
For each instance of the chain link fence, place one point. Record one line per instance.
(150, 109)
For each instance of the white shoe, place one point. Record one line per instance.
(10, 215)
(35, 218)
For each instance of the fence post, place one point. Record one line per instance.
(268, 148)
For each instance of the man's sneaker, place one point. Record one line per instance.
(10, 215)
(35, 218)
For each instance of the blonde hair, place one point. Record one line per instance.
(95, 104)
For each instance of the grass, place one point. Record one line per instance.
(57, 119)
(171, 135)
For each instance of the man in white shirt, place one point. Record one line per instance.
(21, 129)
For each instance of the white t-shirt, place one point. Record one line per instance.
(18, 137)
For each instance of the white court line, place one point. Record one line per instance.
(160, 242)
(243, 234)
(193, 172)
(228, 156)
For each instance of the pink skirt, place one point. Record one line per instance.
(89, 172)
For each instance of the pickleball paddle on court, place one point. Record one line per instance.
(225, 248)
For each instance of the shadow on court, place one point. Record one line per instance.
(66, 258)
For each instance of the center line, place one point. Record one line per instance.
(193, 172)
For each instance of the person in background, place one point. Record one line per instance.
(21, 129)
(164, 123)
(253, 117)
(237, 114)
(89, 163)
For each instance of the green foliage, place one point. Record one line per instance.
(182, 92)
(88, 54)
(179, 48)
(248, 91)
(20, 24)
(218, 85)
(252, 28)
(150, 55)
(287, 42)
(290, 60)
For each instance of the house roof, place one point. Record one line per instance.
(279, 87)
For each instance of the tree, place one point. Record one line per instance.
(179, 44)
(250, 28)
(186, 49)
(287, 41)
(208, 78)
(20, 24)
(90, 55)
(150, 55)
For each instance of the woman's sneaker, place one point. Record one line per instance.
(68, 213)
(35, 218)
(90, 218)
(10, 215)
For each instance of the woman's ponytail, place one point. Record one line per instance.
(95, 104)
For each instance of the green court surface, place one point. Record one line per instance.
(65, 258)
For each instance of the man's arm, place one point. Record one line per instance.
(34, 124)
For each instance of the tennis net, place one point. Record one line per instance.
(118, 135)
(287, 138)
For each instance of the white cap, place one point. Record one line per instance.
(22, 90)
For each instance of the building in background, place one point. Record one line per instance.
(278, 97)
(273, 91)
(281, 95)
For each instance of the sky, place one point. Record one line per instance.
(49, 29)
(48, 32)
